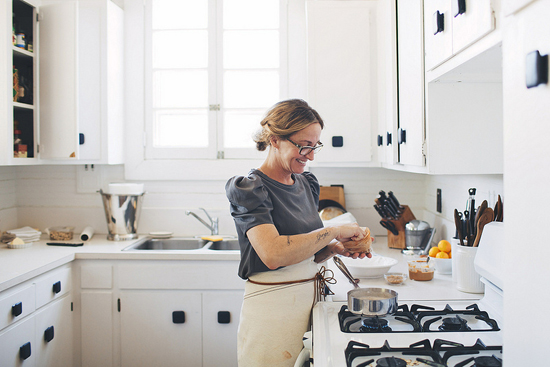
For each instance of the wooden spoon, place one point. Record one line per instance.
(487, 217)
(498, 210)
(480, 211)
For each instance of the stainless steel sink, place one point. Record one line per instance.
(183, 243)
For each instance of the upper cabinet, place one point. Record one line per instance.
(342, 51)
(71, 64)
(453, 25)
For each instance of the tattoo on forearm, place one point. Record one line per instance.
(321, 236)
(288, 240)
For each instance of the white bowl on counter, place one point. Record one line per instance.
(374, 267)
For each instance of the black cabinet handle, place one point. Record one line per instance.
(56, 288)
(224, 317)
(48, 334)
(380, 140)
(402, 136)
(178, 317)
(459, 7)
(17, 309)
(438, 22)
(81, 139)
(25, 351)
(536, 69)
(388, 138)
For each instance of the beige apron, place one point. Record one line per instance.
(274, 317)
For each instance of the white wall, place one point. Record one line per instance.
(43, 196)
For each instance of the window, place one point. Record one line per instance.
(212, 68)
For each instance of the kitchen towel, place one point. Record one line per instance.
(87, 234)
(27, 234)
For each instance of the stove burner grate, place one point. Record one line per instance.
(437, 355)
(374, 324)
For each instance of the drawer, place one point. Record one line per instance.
(18, 345)
(16, 304)
(52, 285)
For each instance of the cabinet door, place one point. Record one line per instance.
(438, 32)
(160, 328)
(54, 334)
(410, 51)
(341, 46)
(96, 324)
(58, 80)
(473, 24)
(18, 346)
(220, 322)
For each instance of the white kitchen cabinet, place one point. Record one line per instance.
(526, 156)
(160, 328)
(452, 25)
(54, 334)
(81, 82)
(410, 66)
(76, 80)
(38, 328)
(342, 48)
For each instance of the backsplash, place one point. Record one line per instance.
(44, 196)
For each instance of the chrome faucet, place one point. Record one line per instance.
(213, 226)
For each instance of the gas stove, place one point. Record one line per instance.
(441, 333)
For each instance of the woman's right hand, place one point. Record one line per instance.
(350, 232)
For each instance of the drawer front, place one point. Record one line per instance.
(15, 305)
(180, 275)
(18, 345)
(53, 285)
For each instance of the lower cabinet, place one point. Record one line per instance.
(41, 336)
(179, 328)
(159, 313)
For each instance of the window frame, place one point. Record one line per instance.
(137, 165)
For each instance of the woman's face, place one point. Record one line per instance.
(290, 158)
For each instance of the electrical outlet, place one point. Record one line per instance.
(438, 201)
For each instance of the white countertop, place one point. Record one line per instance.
(441, 287)
(19, 265)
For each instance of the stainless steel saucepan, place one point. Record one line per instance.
(368, 301)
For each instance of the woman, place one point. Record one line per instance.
(282, 238)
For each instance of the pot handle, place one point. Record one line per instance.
(340, 264)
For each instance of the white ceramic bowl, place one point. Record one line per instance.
(374, 267)
(442, 266)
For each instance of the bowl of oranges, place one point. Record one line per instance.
(441, 256)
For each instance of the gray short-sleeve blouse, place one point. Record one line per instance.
(257, 199)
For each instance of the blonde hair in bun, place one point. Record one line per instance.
(284, 119)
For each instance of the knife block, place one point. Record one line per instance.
(399, 223)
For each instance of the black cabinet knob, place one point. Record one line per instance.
(178, 317)
(48, 334)
(438, 22)
(224, 317)
(388, 138)
(380, 140)
(17, 309)
(459, 7)
(56, 288)
(25, 351)
(337, 141)
(536, 69)
(81, 139)
(402, 136)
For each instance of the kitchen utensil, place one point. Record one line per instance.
(394, 200)
(468, 232)
(389, 226)
(471, 208)
(498, 210)
(486, 217)
(458, 225)
(415, 234)
(479, 211)
(368, 301)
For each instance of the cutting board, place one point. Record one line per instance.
(334, 193)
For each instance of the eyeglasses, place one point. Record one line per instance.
(305, 150)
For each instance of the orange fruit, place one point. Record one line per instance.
(442, 255)
(444, 246)
(434, 251)
(450, 256)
